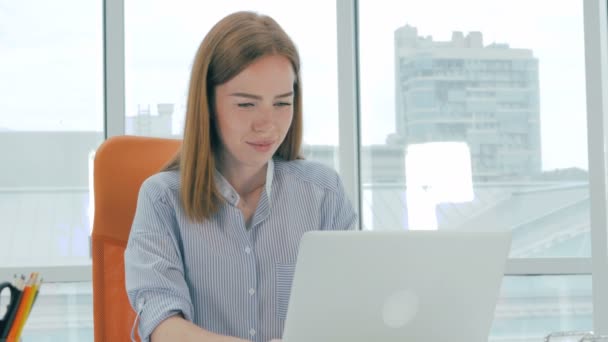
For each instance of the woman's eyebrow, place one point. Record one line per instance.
(258, 97)
(284, 95)
(249, 96)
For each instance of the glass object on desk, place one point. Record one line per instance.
(594, 338)
(568, 336)
(579, 336)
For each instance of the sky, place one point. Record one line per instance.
(51, 75)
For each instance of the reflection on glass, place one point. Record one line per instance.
(508, 92)
(438, 172)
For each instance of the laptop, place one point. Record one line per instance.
(424, 286)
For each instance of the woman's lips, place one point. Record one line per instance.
(261, 146)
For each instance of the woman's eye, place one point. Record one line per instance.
(245, 104)
(282, 104)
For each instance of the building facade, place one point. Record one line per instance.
(461, 90)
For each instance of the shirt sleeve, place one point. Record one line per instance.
(154, 271)
(341, 211)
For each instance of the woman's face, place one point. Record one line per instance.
(253, 112)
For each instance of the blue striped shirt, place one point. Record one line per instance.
(219, 274)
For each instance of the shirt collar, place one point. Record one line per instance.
(228, 192)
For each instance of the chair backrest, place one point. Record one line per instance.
(121, 165)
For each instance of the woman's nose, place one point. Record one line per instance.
(263, 121)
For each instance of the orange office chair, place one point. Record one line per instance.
(121, 165)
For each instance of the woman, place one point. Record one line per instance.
(215, 237)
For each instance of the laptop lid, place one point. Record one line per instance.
(362, 286)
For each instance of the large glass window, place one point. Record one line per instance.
(455, 96)
(51, 122)
(161, 40)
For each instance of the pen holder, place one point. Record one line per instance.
(11, 308)
(22, 297)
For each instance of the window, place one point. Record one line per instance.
(51, 122)
(541, 194)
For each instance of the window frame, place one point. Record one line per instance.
(596, 65)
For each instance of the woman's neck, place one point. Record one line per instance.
(244, 179)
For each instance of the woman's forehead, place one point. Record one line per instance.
(270, 75)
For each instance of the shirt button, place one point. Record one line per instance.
(247, 250)
(251, 291)
(252, 332)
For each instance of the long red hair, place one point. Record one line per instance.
(231, 45)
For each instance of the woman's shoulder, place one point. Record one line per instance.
(161, 184)
(308, 171)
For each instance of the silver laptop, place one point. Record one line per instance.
(424, 286)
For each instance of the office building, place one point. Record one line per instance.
(463, 90)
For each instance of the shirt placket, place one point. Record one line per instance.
(247, 238)
(258, 217)
(250, 287)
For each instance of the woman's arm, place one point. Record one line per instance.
(176, 328)
(154, 271)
